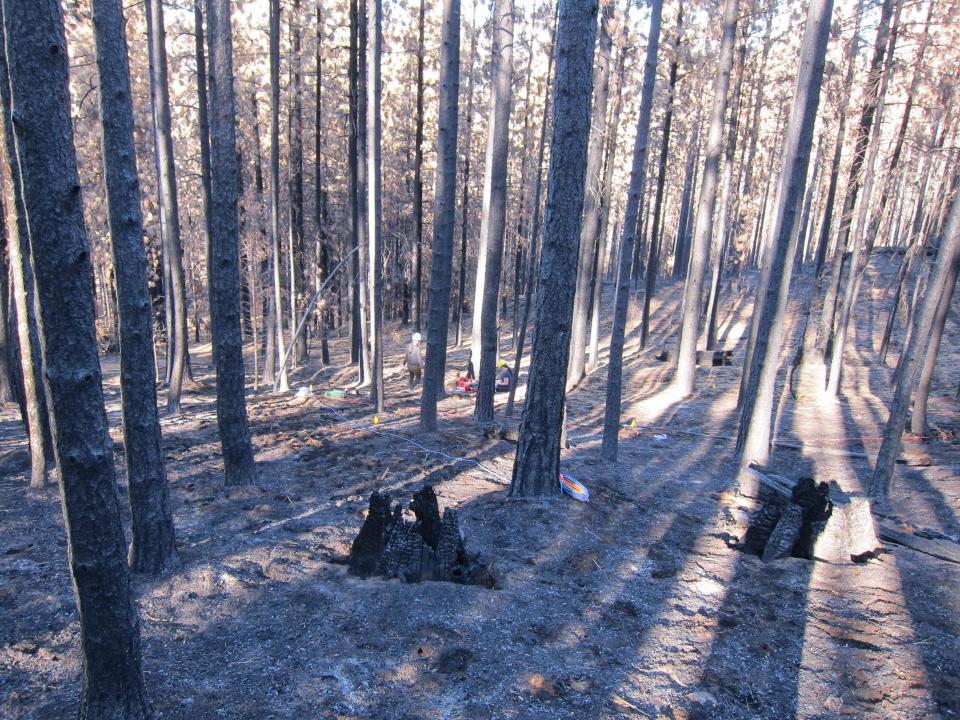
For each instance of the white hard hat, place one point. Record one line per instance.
(416, 337)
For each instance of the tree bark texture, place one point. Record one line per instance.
(37, 418)
(238, 464)
(493, 225)
(537, 467)
(638, 172)
(444, 216)
(684, 379)
(109, 634)
(591, 199)
(170, 213)
(153, 546)
(274, 176)
(374, 204)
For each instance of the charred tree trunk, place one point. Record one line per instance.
(684, 379)
(653, 257)
(537, 467)
(611, 418)
(485, 336)
(418, 176)
(153, 547)
(238, 467)
(320, 192)
(295, 188)
(464, 201)
(109, 635)
(946, 266)
(591, 201)
(274, 179)
(753, 440)
(374, 209)
(444, 216)
(37, 419)
(170, 213)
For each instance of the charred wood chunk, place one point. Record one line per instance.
(427, 510)
(368, 547)
(450, 551)
(814, 500)
(785, 534)
(762, 523)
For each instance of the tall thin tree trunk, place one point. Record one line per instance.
(374, 209)
(153, 546)
(494, 212)
(753, 439)
(534, 232)
(606, 200)
(295, 187)
(464, 201)
(681, 252)
(653, 258)
(684, 379)
(418, 178)
(274, 179)
(611, 418)
(722, 230)
(320, 193)
(591, 202)
(537, 466)
(946, 266)
(112, 685)
(861, 244)
(170, 213)
(444, 217)
(238, 467)
(24, 311)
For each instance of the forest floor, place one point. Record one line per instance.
(630, 606)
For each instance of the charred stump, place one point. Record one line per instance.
(430, 547)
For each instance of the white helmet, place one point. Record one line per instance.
(416, 338)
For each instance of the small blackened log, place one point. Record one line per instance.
(785, 534)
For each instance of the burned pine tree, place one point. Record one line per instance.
(238, 464)
(611, 417)
(444, 217)
(537, 467)
(112, 684)
(153, 547)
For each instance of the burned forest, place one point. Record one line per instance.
(479, 359)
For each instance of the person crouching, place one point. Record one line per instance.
(413, 360)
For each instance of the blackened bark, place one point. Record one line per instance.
(444, 216)
(464, 201)
(109, 634)
(418, 176)
(203, 120)
(684, 379)
(485, 336)
(295, 187)
(8, 383)
(153, 546)
(374, 204)
(653, 258)
(534, 233)
(611, 417)
(591, 201)
(170, 213)
(274, 180)
(537, 467)
(24, 311)
(753, 440)
(681, 252)
(238, 464)
(320, 192)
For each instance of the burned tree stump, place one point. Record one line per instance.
(430, 547)
(784, 535)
